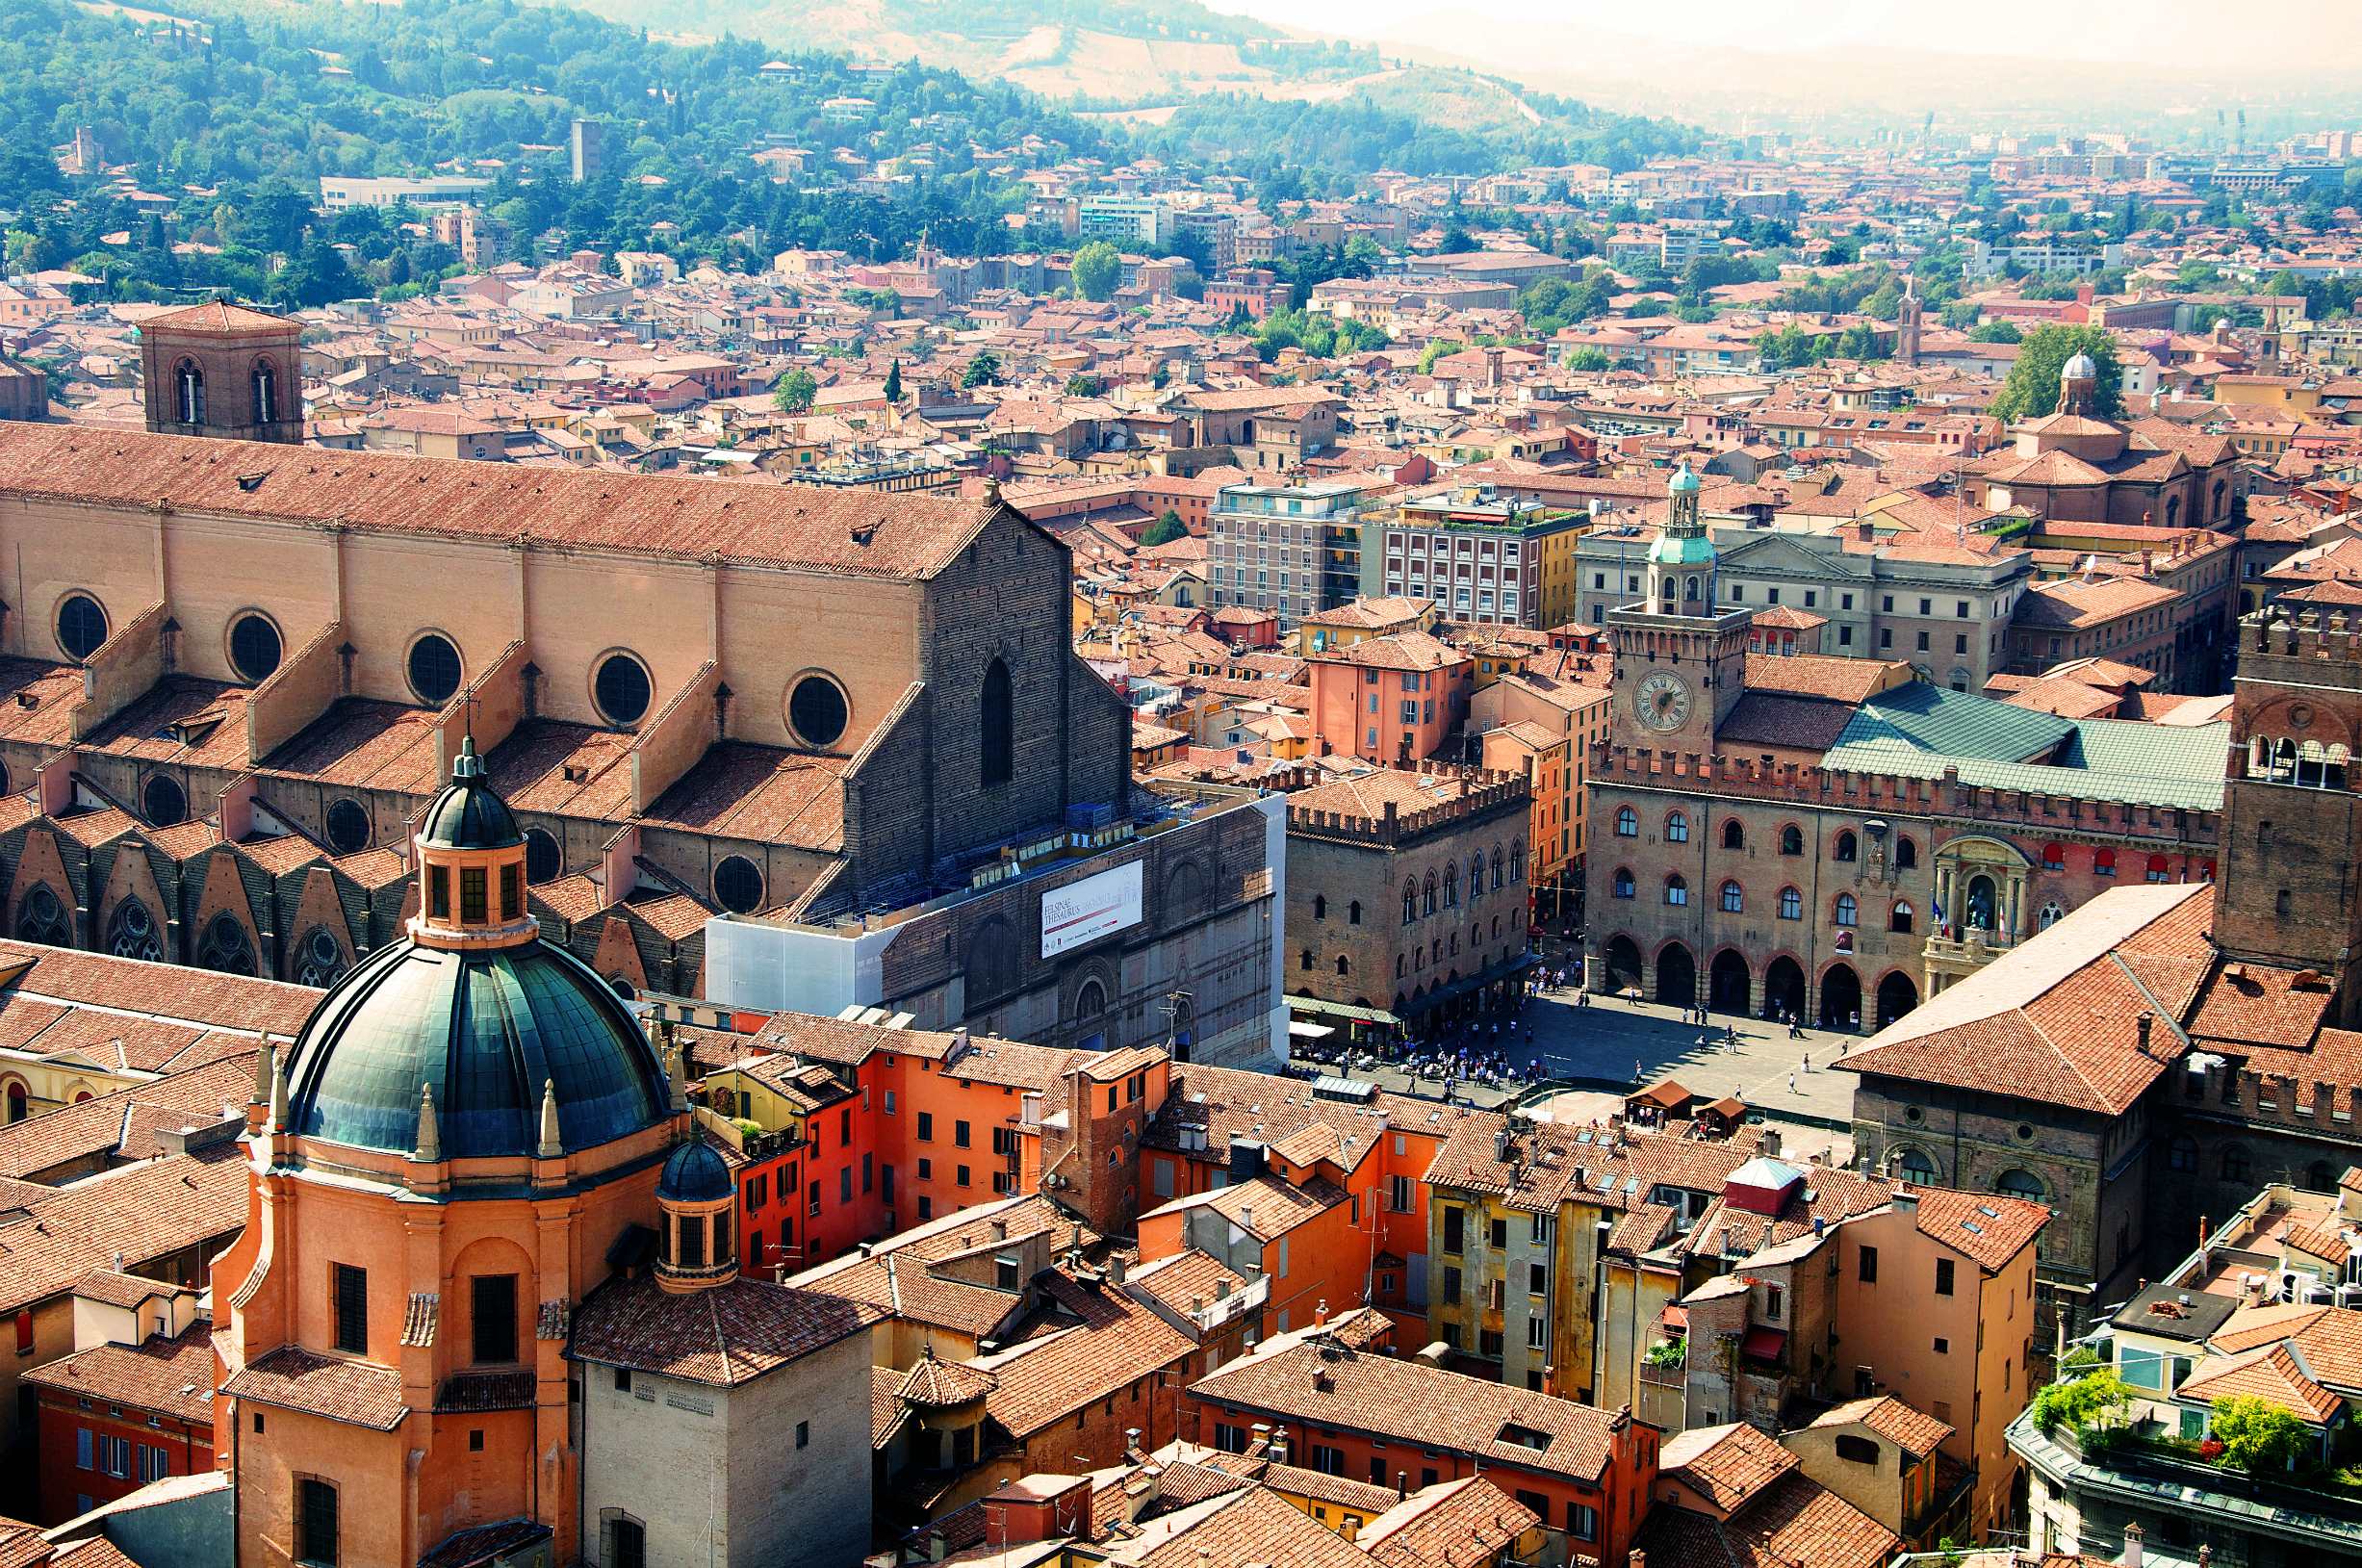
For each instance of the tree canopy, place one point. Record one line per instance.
(2032, 389)
(1098, 266)
(2256, 1435)
(793, 392)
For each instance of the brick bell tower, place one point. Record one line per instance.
(223, 370)
(2292, 872)
(1681, 662)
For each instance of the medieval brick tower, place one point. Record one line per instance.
(221, 370)
(2290, 894)
(1680, 664)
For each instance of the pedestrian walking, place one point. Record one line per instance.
(1807, 1061)
(1792, 1081)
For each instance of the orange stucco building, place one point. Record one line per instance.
(466, 1129)
(1389, 699)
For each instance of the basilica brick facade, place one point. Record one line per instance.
(788, 706)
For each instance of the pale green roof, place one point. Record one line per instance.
(1920, 730)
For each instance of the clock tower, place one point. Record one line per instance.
(1681, 661)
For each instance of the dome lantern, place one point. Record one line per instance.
(470, 866)
(472, 1038)
(698, 1197)
(2078, 383)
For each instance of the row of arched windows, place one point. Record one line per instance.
(189, 400)
(1845, 847)
(1920, 1171)
(1424, 898)
(1445, 948)
(1844, 911)
(2307, 763)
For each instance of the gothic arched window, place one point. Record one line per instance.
(132, 933)
(996, 741)
(319, 960)
(266, 393)
(226, 948)
(41, 918)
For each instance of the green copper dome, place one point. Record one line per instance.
(694, 1173)
(468, 815)
(485, 1030)
(1685, 480)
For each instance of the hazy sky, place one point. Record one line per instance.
(2270, 35)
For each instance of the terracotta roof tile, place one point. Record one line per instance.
(727, 1335)
(357, 1393)
(793, 527)
(170, 1376)
(1725, 1465)
(1796, 1521)
(1255, 1526)
(1413, 1401)
(1046, 1379)
(2269, 1372)
(1985, 1227)
(1912, 1430)
(144, 1211)
(1448, 1526)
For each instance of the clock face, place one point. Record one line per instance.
(1662, 701)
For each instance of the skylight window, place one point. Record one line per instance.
(1524, 1437)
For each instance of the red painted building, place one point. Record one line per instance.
(114, 1417)
(1354, 1409)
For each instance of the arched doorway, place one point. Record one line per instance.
(1896, 996)
(19, 1098)
(1677, 977)
(1622, 960)
(1727, 983)
(1840, 997)
(1783, 987)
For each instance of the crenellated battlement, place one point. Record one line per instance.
(1484, 792)
(2319, 1106)
(2309, 637)
(1810, 784)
